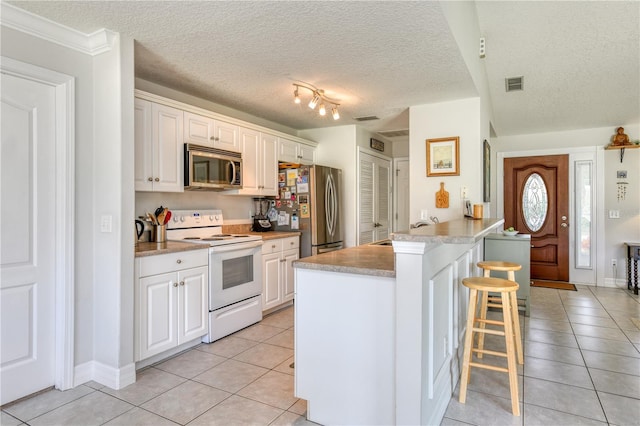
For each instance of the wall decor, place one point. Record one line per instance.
(621, 174)
(443, 156)
(486, 170)
(376, 144)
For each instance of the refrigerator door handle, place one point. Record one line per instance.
(330, 204)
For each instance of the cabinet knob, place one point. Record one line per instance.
(291, 242)
(283, 260)
(273, 246)
(175, 284)
(178, 261)
(150, 179)
(157, 179)
(181, 282)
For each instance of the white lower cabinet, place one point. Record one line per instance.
(171, 301)
(277, 271)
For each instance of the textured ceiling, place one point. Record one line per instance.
(579, 59)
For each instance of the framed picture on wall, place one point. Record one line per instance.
(486, 170)
(443, 156)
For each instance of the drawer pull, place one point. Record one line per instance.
(181, 282)
(175, 284)
(273, 246)
(178, 261)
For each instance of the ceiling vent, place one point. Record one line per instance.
(394, 133)
(514, 83)
(367, 118)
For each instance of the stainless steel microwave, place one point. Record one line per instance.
(211, 169)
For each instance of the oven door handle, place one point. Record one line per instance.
(235, 246)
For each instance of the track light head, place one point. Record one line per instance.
(335, 113)
(296, 98)
(322, 111)
(314, 101)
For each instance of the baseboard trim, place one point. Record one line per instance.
(115, 378)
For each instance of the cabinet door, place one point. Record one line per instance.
(288, 289)
(269, 172)
(157, 312)
(193, 304)
(250, 143)
(143, 155)
(287, 151)
(271, 269)
(168, 149)
(226, 136)
(198, 129)
(306, 154)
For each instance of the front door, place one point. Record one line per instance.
(536, 202)
(27, 225)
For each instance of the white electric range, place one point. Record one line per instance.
(235, 269)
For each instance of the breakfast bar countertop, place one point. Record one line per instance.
(458, 231)
(362, 260)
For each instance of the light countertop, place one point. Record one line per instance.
(153, 248)
(363, 260)
(459, 231)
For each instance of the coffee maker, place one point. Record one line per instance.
(261, 221)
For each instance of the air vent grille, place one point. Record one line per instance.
(367, 118)
(514, 83)
(394, 133)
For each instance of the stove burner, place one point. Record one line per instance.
(239, 236)
(222, 235)
(191, 238)
(212, 239)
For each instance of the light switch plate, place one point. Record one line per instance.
(614, 214)
(105, 223)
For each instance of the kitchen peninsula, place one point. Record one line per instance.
(379, 330)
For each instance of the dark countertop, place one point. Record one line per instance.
(459, 231)
(363, 260)
(153, 249)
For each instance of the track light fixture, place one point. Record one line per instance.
(318, 96)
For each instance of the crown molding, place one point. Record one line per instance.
(21, 20)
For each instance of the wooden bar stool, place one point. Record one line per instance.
(494, 302)
(507, 290)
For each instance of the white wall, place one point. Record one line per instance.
(616, 231)
(457, 118)
(337, 148)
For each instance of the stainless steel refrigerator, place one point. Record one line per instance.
(311, 197)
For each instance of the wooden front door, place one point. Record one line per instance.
(536, 202)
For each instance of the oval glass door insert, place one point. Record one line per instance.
(535, 202)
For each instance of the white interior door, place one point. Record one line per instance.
(27, 226)
(374, 200)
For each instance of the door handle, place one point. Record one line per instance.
(564, 225)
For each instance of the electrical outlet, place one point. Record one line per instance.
(614, 263)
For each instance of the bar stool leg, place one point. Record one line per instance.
(483, 316)
(516, 327)
(511, 359)
(468, 343)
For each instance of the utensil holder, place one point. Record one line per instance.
(159, 233)
(478, 211)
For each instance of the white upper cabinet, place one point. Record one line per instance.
(259, 164)
(290, 151)
(206, 131)
(158, 147)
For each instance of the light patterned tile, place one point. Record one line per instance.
(608, 346)
(227, 347)
(238, 411)
(291, 419)
(258, 332)
(616, 383)
(93, 409)
(149, 383)
(300, 407)
(553, 353)
(620, 410)
(191, 363)
(185, 402)
(231, 375)
(8, 420)
(139, 417)
(274, 388)
(281, 319)
(534, 415)
(45, 402)
(612, 362)
(286, 367)
(284, 339)
(474, 410)
(574, 375)
(560, 397)
(263, 355)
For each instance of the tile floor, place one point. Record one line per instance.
(582, 367)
